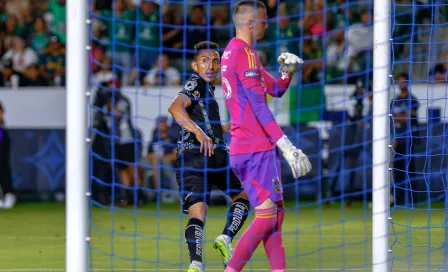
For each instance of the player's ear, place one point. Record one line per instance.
(250, 24)
(194, 66)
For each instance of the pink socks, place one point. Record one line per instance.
(267, 227)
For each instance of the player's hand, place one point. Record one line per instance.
(206, 143)
(289, 62)
(297, 160)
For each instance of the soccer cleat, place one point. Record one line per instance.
(195, 267)
(224, 248)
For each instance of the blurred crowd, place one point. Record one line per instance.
(334, 37)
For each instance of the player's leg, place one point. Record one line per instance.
(262, 186)
(195, 195)
(260, 228)
(273, 244)
(194, 235)
(126, 155)
(236, 216)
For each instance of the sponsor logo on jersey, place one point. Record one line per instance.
(251, 74)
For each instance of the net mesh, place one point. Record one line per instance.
(418, 135)
(144, 50)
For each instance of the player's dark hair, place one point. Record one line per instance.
(204, 45)
(247, 3)
(405, 75)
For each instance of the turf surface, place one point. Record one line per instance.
(151, 239)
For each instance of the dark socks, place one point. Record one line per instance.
(193, 238)
(236, 216)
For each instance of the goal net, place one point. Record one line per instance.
(143, 50)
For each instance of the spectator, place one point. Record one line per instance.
(404, 109)
(57, 11)
(21, 56)
(312, 68)
(3, 38)
(339, 18)
(271, 7)
(105, 72)
(122, 131)
(39, 38)
(33, 78)
(12, 29)
(313, 22)
(283, 39)
(439, 72)
(148, 38)
(9, 78)
(53, 62)
(96, 55)
(3, 13)
(20, 9)
(337, 59)
(8, 200)
(120, 34)
(360, 41)
(162, 74)
(172, 35)
(198, 30)
(162, 153)
(220, 16)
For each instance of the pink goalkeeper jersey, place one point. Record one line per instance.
(245, 84)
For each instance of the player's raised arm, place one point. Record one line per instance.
(177, 110)
(289, 64)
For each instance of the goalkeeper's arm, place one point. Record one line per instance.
(289, 64)
(180, 115)
(251, 81)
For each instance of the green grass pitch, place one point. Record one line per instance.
(315, 238)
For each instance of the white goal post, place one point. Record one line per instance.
(380, 137)
(77, 177)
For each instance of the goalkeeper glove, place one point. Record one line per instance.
(297, 160)
(289, 62)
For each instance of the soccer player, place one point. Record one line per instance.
(255, 134)
(203, 159)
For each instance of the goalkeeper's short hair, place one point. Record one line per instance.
(204, 45)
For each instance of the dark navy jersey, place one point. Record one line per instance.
(204, 111)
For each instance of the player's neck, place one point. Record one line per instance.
(246, 38)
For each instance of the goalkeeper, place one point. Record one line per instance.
(255, 134)
(201, 153)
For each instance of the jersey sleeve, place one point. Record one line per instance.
(276, 87)
(250, 78)
(192, 89)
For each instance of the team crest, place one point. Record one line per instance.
(226, 88)
(190, 85)
(276, 183)
(196, 94)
